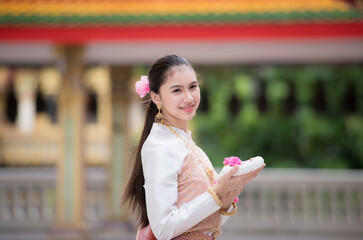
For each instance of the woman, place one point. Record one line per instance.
(173, 187)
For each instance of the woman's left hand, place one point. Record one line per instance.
(228, 197)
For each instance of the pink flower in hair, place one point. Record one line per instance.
(142, 86)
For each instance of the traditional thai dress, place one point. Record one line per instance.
(176, 185)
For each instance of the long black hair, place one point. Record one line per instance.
(135, 193)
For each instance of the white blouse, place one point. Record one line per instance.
(163, 155)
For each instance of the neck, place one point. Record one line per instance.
(183, 125)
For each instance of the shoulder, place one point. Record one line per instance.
(163, 143)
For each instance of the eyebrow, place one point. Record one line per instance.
(176, 86)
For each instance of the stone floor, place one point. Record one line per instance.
(120, 234)
(287, 236)
(122, 231)
(226, 236)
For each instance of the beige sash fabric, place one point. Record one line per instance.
(193, 236)
(192, 182)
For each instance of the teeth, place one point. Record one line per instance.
(187, 107)
(246, 166)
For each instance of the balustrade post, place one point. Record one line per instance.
(70, 222)
(120, 77)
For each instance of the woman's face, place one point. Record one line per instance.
(179, 96)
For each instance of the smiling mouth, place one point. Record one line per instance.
(190, 107)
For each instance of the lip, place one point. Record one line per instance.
(188, 108)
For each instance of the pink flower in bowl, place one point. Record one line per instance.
(232, 161)
(142, 86)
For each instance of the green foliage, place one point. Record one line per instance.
(324, 129)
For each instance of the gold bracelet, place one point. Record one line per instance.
(215, 196)
(229, 213)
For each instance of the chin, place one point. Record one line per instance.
(191, 116)
(185, 118)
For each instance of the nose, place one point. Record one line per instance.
(188, 97)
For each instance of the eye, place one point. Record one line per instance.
(176, 90)
(193, 86)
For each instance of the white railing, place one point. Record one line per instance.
(277, 200)
(302, 200)
(27, 197)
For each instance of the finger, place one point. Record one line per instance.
(231, 172)
(260, 169)
(241, 180)
(239, 191)
(254, 172)
(248, 176)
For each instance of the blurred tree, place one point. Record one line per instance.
(293, 116)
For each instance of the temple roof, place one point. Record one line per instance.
(98, 20)
(233, 30)
(164, 12)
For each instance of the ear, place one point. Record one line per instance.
(155, 98)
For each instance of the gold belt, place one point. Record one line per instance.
(198, 235)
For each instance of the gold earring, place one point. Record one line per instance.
(158, 116)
